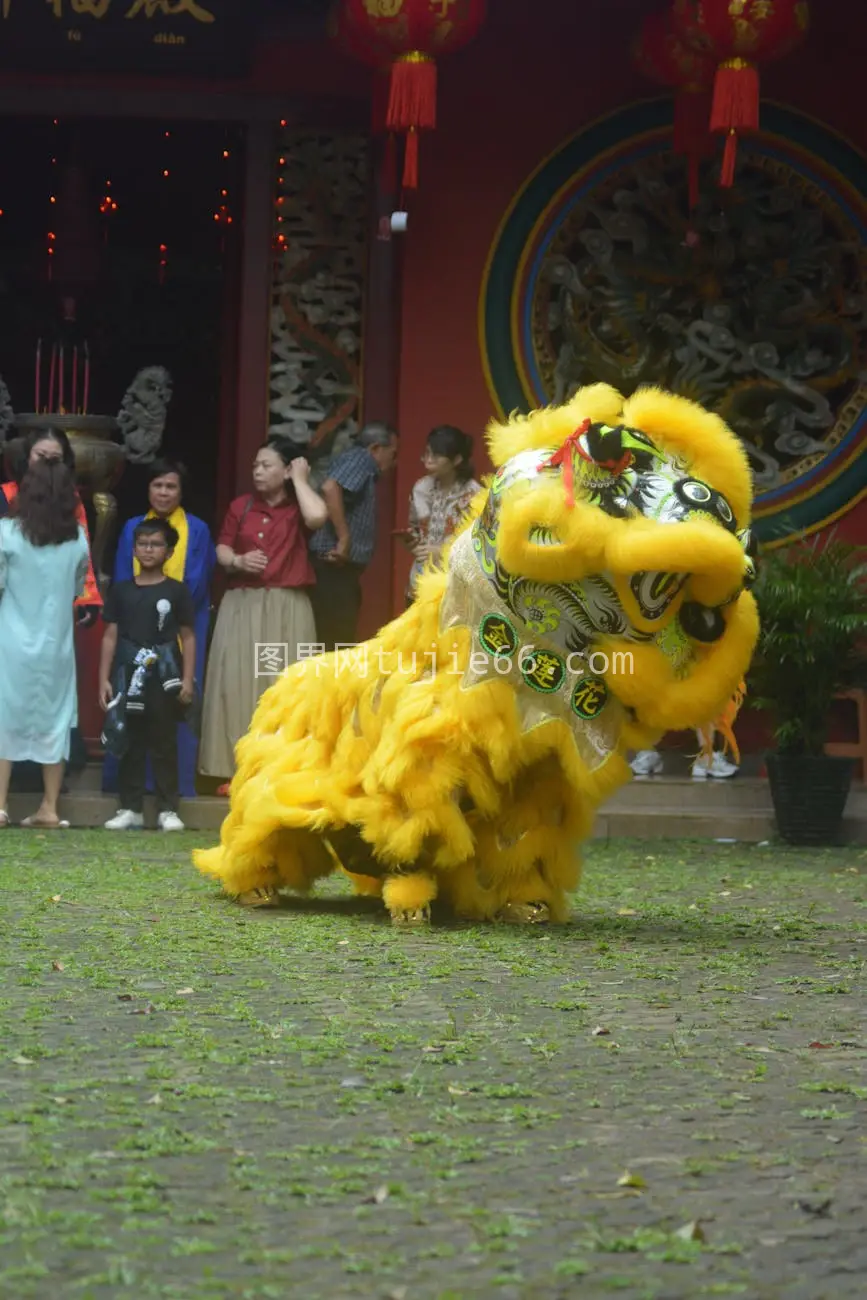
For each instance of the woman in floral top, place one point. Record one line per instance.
(440, 500)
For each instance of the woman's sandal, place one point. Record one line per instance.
(35, 823)
(4, 820)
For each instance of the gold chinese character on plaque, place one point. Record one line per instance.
(170, 9)
(88, 8)
(383, 8)
(96, 8)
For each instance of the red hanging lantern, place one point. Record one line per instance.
(739, 34)
(663, 57)
(407, 36)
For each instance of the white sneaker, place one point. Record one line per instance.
(170, 821)
(125, 820)
(647, 763)
(719, 767)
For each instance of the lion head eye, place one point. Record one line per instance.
(695, 495)
(698, 493)
(701, 623)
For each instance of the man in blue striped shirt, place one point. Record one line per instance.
(342, 548)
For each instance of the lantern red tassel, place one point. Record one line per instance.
(735, 108)
(410, 160)
(412, 106)
(412, 102)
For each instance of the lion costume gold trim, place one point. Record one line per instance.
(595, 599)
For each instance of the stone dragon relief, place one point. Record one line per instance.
(758, 313)
(317, 301)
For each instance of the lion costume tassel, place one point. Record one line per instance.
(595, 599)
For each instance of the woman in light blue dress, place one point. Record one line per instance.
(43, 569)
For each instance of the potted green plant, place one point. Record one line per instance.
(812, 599)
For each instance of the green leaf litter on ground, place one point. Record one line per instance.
(201, 1102)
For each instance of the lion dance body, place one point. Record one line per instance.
(595, 599)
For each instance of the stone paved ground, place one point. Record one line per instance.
(665, 1099)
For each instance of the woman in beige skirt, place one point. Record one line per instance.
(265, 621)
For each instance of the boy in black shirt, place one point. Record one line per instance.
(145, 618)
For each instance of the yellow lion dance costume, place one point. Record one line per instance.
(595, 599)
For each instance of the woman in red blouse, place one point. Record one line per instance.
(265, 619)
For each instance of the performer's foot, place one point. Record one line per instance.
(417, 916)
(524, 914)
(647, 763)
(718, 767)
(267, 897)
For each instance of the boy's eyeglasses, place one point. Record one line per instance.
(150, 546)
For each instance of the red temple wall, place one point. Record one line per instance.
(505, 104)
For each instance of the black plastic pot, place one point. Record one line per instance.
(809, 794)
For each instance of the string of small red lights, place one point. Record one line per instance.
(164, 249)
(280, 240)
(51, 237)
(223, 215)
(107, 206)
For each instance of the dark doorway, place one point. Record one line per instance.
(144, 218)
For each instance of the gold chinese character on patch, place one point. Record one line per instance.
(589, 698)
(497, 635)
(544, 671)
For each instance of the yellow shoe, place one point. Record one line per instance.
(524, 914)
(267, 897)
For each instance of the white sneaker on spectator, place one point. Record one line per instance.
(170, 821)
(719, 767)
(647, 763)
(125, 820)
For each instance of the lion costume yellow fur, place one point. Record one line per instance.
(595, 599)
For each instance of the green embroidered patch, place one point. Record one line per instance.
(498, 636)
(544, 671)
(589, 698)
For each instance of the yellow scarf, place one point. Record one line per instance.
(175, 565)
